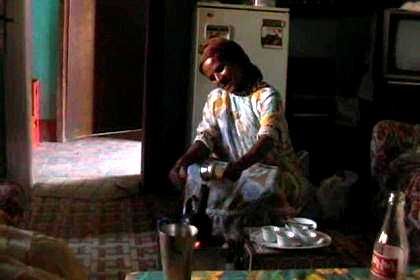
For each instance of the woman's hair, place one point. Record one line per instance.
(230, 52)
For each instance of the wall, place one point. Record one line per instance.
(327, 60)
(45, 52)
(313, 36)
(2, 109)
(2, 120)
(166, 90)
(342, 40)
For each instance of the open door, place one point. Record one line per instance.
(18, 91)
(75, 100)
(102, 77)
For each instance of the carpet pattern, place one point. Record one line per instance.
(100, 189)
(110, 238)
(86, 192)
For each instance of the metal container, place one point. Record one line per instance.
(176, 247)
(212, 170)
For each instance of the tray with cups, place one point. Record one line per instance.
(297, 233)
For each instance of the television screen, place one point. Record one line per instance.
(401, 49)
(407, 45)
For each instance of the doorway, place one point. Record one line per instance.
(102, 68)
(99, 101)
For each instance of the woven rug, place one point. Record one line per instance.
(109, 237)
(87, 192)
(99, 189)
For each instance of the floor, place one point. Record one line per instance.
(89, 168)
(86, 191)
(86, 159)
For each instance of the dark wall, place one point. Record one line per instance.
(118, 65)
(2, 109)
(166, 89)
(2, 122)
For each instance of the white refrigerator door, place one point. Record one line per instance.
(245, 25)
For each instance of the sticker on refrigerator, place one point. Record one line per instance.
(272, 33)
(224, 31)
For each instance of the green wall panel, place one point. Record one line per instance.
(45, 52)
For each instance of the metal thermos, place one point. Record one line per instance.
(212, 170)
(176, 243)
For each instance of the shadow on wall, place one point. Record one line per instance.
(2, 113)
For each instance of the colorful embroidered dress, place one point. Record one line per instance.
(395, 163)
(230, 127)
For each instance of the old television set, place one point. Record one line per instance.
(401, 46)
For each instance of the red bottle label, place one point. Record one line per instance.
(383, 266)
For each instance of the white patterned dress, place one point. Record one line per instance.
(230, 127)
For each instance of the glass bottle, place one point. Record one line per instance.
(390, 252)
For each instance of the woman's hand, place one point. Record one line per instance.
(197, 152)
(178, 175)
(284, 208)
(287, 211)
(232, 171)
(256, 154)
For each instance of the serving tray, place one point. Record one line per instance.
(321, 240)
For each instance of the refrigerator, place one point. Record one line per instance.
(263, 32)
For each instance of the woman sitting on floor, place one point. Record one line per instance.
(243, 125)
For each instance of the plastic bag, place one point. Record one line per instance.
(332, 194)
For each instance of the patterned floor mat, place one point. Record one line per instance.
(86, 192)
(109, 237)
(100, 189)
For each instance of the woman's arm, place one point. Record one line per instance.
(271, 117)
(207, 133)
(256, 154)
(197, 152)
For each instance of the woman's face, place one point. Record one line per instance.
(224, 75)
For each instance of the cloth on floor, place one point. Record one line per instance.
(39, 252)
(332, 194)
(255, 199)
(27, 253)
